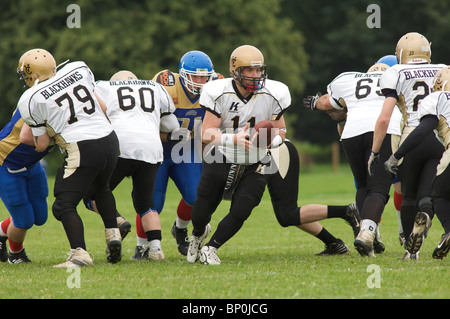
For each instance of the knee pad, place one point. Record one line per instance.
(59, 208)
(289, 218)
(24, 222)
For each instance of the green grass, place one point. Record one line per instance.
(263, 261)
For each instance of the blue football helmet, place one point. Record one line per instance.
(388, 60)
(195, 63)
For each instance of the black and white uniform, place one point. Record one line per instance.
(135, 109)
(65, 106)
(360, 93)
(411, 83)
(220, 97)
(434, 113)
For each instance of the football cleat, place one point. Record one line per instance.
(124, 226)
(113, 245)
(364, 243)
(336, 248)
(352, 218)
(408, 256)
(180, 235)
(153, 252)
(3, 249)
(140, 253)
(18, 258)
(378, 245)
(77, 258)
(195, 244)
(442, 249)
(208, 256)
(422, 224)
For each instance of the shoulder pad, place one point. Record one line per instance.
(165, 78)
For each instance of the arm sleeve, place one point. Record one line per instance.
(169, 123)
(427, 124)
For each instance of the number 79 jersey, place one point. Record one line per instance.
(65, 106)
(412, 82)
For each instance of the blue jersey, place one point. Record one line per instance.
(13, 154)
(187, 110)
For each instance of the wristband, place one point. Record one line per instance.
(227, 139)
(276, 142)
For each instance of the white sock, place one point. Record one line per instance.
(155, 244)
(141, 241)
(400, 227)
(368, 224)
(180, 223)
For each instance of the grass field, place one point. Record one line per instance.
(263, 261)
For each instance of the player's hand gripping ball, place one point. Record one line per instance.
(263, 133)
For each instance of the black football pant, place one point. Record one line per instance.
(416, 173)
(246, 196)
(87, 167)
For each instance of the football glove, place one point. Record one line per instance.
(391, 165)
(310, 101)
(179, 135)
(373, 160)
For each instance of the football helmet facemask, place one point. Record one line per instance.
(441, 81)
(195, 63)
(35, 66)
(247, 56)
(413, 48)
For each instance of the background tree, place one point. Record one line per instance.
(306, 43)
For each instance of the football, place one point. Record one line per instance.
(263, 133)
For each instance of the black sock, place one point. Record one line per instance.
(441, 208)
(326, 237)
(74, 229)
(226, 229)
(373, 208)
(336, 211)
(153, 234)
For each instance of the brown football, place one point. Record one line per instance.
(265, 131)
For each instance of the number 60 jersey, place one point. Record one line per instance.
(65, 106)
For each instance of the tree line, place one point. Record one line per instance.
(305, 43)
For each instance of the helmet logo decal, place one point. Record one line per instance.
(233, 61)
(27, 68)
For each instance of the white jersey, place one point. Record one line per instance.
(412, 82)
(134, 108)
(221, 98)
(438, 104)
(360, 92)
(65, 106)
